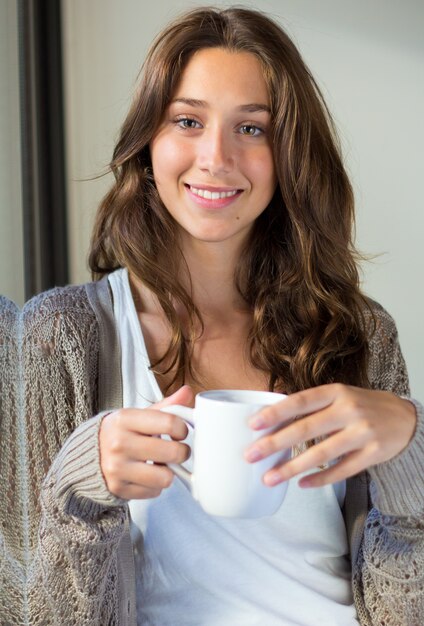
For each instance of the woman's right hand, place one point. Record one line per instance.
(130, 437)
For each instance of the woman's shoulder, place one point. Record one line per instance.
(380, 324)
(58, 300)
(72, 302)
(386, 369)
(59, 312)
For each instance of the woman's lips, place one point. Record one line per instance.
(213, 197)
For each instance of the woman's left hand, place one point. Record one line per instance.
(359, 427)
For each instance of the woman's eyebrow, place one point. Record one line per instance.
(250, 108)
(254, 107)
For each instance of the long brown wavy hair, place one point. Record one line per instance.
(298, 273)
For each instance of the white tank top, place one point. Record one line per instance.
(193, 569)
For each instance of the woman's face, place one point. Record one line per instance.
(212, 157)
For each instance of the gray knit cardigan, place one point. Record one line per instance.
(78, 557)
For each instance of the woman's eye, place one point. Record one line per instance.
(187, 123)
(251, 130)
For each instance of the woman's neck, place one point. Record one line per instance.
(208, 276)
(211, 268)
(227, 322)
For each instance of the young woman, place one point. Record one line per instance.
(227, 262)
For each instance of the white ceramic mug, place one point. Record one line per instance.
(223, 482)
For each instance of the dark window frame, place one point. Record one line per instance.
(44, 196)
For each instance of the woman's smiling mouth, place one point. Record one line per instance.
(213, 197)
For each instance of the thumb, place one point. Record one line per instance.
(184, 396)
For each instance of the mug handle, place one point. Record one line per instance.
(187, 415)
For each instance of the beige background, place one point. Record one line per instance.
(368, 57)
(11, 237)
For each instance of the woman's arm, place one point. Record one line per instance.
(72, 540)
(81, 562)
(74, 571)
(389, 576)
(379, 431)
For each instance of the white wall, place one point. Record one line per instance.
(11, 234)
(369, 60)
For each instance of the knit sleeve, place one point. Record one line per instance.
(75, 525)
(390, 576)
(73, 576)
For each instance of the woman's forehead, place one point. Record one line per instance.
(219, 72)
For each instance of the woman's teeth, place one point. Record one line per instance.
(212, 195)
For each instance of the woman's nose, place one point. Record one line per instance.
(216, 152)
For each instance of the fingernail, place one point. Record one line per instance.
(304, 483)
(253, 455)
(257, 421)
(273, 478)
